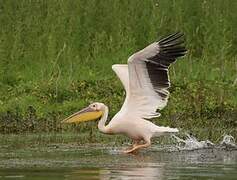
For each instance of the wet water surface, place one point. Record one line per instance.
(94, 162)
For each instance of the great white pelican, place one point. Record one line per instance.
(146, 80)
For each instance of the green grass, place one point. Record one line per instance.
(56, 57)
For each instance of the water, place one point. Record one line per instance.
(188, 159)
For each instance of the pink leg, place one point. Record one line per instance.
(135, 143)
(138, 146)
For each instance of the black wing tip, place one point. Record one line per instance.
(170, 48)
(178, 34)
(173, 45)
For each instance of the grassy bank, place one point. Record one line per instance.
(56, 57)
(194, 107)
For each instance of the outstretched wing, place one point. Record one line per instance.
(146, 80)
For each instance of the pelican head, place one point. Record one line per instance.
(92, 112)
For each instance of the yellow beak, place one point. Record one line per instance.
(87, 114)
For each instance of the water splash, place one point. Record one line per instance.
(191, 143)
(188, 143)
(228, 142)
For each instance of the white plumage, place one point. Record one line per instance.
(145, 79)
(143, 97)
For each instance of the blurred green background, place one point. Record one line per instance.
(56, 57)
